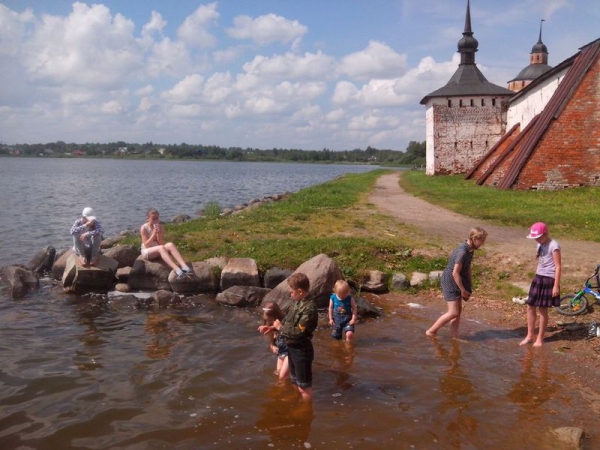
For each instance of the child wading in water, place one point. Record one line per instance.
(297, 328)
(545, 287)
(271, 313)
(342, 311)
(457, 281)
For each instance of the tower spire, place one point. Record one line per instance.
(540, 38)
(467, 46)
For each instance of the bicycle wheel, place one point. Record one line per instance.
(571, 305)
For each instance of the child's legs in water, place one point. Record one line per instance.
(531, 318)
(454, 311)
(542, 329)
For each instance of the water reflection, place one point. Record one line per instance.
(534, 386)
(458, 394)
(285, 418)
(161, 338)
(343, 354)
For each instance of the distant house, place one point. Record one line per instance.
(123, 150)
(162, 150)
(77, 153)
(48, 152)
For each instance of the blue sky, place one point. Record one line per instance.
(257, 73)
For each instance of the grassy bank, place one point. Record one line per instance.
(572, 213)
(332, 218)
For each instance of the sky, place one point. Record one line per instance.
(309, 74)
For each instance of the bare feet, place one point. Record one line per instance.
(82, 261)
(538, 343)
(526, 341)
(430, 333)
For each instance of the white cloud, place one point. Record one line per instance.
(186, 91)
(194, 29)
(88, 48)
(266, 29)
(310, 65)
(378, 60)
(144, 91)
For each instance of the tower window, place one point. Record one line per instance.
(460, 102)
(482, 102)
(472, 102)
(493, 102)
(449, 103)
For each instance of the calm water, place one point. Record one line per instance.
(81, 375)
(41, 198)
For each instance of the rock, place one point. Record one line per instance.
(418, 279)
(81, 280)
(365, 308)
(125, 255)
(240, 272)
(435, 276)
(377, 282)
(226, 211)
(181, 218)
(242, 296)
(122, 274)
(122, 287)
(149, 275)
(204, 279)
(20, 281)
(275, 275)
(42, 261)
(569, 435)
(161, 299)
(60, 262)
(399, 281)
(111, 241)
(322, 271)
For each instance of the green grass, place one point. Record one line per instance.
(572, 213)
(331, 218)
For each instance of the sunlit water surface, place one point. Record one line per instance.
(77, 375)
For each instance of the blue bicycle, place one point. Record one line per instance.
(574, 304)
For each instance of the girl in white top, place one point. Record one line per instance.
(153, 245)
(545, 287)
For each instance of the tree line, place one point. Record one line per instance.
(413, 155)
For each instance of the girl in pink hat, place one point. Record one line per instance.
(545, 287)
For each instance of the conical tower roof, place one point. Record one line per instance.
(468, 79)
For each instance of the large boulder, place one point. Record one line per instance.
(203, 280)
(125, 255)
(322, 271)
(364, 308)
(42, 261)
(149, 275)
(60, 262)
(78, 279)
(275, 275)
(240, 272)
(242, 296)
(20, 281)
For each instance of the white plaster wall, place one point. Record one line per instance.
(526, 107)
(429, 139)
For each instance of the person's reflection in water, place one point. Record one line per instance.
(287, 421)
(161, 343)
(458, 393)
(534, 387)
(343, 353)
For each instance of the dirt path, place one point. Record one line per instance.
(505, 245)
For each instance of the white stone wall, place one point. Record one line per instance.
(528, 105)
(457, 136)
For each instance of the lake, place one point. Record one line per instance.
(80, 374)
(41, 198)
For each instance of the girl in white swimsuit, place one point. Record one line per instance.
(153, 245)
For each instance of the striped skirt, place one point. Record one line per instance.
(540, 292)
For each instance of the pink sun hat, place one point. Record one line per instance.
(537, 230)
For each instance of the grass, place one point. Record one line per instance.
(572, 213)
(332, 218)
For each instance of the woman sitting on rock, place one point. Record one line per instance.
(153, 245)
